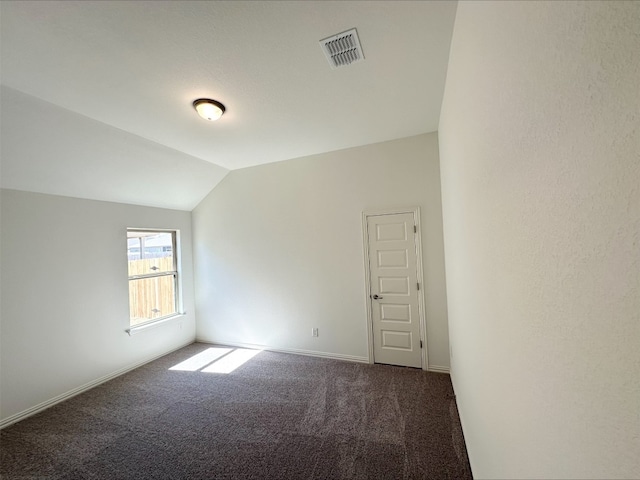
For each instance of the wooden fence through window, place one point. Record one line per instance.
(154, 297)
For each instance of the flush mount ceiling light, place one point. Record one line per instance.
(208, 109)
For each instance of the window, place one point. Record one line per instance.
(153, 275)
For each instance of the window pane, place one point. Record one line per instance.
(150, 252)
(151, 298)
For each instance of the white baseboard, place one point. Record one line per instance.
(438, 369)
(87, 386)
(76, 391)
(309, 353)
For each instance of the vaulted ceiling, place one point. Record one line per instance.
(96, 96)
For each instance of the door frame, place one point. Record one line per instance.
(367, 274)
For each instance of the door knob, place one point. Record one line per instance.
(376, 297)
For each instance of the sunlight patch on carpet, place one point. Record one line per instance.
(201, 359)
(230, 362)
(216, 360)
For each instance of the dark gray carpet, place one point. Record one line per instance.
(278, 416)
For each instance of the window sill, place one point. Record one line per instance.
(146, 326)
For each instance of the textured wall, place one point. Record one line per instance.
(278, 248)
(540, 160)
(65, 296)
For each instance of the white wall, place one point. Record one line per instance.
(65, 303)
(540, 159)
(42, 144)
(278, 248)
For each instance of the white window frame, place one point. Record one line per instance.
(177, 288)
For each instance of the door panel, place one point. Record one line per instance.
(395, 313)
(394, 285)
(395, 339)
(392, 258)
(391, 231)
(394, 293)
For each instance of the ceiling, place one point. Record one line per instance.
(127, 73)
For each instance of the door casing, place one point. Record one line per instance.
(421, 305)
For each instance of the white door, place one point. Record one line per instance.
(393, 274)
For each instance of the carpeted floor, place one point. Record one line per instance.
(278, 416)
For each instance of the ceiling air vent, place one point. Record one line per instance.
(342, 49)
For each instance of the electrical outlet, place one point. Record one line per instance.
(314, 332)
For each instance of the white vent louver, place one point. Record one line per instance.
(342, 49)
